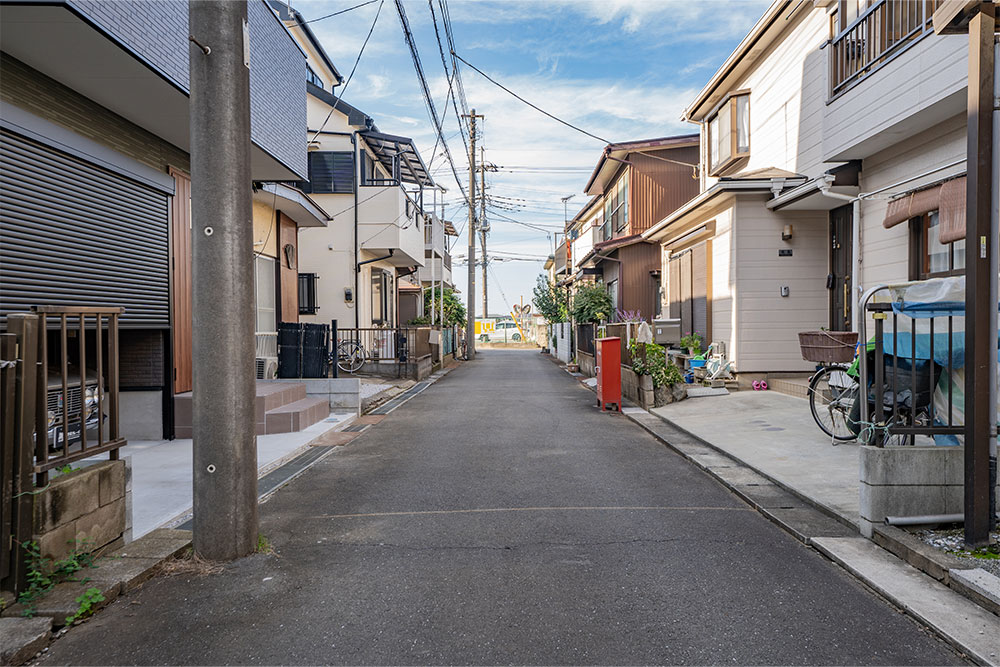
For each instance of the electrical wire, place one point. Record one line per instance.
(411, 43)
(342, 11)
(533, 106)
(351, 75)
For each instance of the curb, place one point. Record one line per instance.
(113, 574)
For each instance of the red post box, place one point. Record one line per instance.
(609, 373)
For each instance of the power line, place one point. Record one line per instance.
(408, 36)
(533, 106)
(342, 11)
(351, 75)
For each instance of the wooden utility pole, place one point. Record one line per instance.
(482, 225)
(978, 19)
(225, 441)
(470, 324)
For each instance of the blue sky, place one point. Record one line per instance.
(621, 69)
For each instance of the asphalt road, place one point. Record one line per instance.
(499, 518)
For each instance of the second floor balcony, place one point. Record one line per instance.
(890, 76)
(389, 218)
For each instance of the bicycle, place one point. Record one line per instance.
(351, 356)
(833, 400)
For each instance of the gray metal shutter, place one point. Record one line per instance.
(699, 290)
(74, 234)
(330, 171)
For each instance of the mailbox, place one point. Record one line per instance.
(609, 373)
(667, 331)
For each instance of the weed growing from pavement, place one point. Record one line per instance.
(264, 545)
(43, 574)
(88, 602)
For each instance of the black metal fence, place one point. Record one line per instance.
(913, 371)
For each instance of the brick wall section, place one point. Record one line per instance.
(46, 98)
(140, 355)
(158, 33)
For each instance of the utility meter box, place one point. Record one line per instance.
(667, 331)
(609, 373)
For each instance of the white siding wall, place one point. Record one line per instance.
(768, 322)
(724, 286)
(885, 257)
(921, 87)
(787, 100)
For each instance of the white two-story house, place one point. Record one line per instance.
(827, 136)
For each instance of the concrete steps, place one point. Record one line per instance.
(279, 407)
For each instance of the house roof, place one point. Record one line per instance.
(389, 147)
(614, 154)
(753, 46)
(289, 15)
(294, 203)
(758, 180)
(583, 211)
(449, 228)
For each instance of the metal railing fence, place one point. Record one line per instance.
(876, 36)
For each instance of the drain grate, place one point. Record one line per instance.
(389, 406)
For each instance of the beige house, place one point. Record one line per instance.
(823, 153)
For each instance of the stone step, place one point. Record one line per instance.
(269, 396)
(296, 416)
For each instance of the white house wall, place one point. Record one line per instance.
(768, 322)
(918, 89)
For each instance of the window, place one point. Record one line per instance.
(307, 294)
(266, 301)
(729, 133)
(382, 301)
(616, 208)
(330, 172)
(613, 293)
(929, 258)
(313, 78)
(850, 10)
(369, 174)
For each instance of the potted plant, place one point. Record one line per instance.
(692, 343)
(573, 366)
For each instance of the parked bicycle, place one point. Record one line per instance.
(350, 355)
(835, 388)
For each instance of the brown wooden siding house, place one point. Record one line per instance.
(634, 185)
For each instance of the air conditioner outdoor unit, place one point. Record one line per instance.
(267, 368)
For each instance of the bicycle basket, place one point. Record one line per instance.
(828, 347)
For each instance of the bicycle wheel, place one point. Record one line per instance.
(832, 395)
(350, 356)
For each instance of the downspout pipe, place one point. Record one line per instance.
(357, 249)
(377, 259)
(924, 519)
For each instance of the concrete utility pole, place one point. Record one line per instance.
(225, 450)
(470, 325)
(482, 225)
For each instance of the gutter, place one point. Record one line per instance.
(755, 185)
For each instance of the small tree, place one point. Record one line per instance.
(454, 311)
(591, 304)
(550, 301)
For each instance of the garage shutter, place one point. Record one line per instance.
(75, 234)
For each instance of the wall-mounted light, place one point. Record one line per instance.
(786, 233)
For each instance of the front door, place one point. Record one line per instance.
(839, 279)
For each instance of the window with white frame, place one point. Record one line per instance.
(729, 133)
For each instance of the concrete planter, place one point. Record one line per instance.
(909, 481)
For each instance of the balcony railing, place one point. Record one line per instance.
(883, 31)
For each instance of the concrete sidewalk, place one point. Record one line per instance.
(777, 437)
(162, 476)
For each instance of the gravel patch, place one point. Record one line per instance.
(372, 388)
(952, 541)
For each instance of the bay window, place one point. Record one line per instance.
(729, 133)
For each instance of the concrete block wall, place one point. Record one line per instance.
(588, 365)
(87, 504)
(562, 332)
